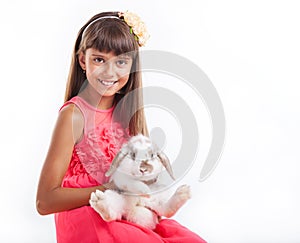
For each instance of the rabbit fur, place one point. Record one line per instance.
(134, 171)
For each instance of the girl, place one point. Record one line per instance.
(90, 131)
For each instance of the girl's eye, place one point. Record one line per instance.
(99, 60)
(121, 62)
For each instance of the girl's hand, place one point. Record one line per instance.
(110, 186)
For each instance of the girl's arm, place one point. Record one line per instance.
(51, 197)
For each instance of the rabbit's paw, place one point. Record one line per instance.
(142, 188)
(183, 193)
(135, 187)
(100, 202)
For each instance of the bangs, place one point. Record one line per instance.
(110, 35)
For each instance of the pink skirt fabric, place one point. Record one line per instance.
(85, 225)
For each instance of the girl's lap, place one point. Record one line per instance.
(86, 225)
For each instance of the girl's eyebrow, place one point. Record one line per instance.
(98, 55)
(124, 56)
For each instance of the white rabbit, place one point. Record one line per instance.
(134, 171)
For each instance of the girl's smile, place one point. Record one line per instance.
(107, 83)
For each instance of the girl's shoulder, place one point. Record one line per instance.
(70, 110)
(71, 114)
(77, 106)
(73, 108)
(73, 103)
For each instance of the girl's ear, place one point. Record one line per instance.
(81, 58)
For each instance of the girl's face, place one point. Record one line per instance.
(106, 72)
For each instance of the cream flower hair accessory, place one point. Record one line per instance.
(137, 27)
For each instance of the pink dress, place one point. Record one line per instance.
(90, 160)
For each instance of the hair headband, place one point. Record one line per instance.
(137, 27)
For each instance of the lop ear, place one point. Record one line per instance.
(166, 163)
(115, 163)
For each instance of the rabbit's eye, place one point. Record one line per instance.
(133, 155)
(152, 156)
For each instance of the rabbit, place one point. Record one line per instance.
(134, 171)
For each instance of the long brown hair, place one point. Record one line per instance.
(111, 35)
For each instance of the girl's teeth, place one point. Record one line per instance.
(107, 83)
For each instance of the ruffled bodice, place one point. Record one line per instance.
(93, 154)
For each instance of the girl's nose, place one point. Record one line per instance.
(108, 71)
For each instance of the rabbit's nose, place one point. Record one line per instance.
(145, 167)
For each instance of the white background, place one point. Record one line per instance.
(250, 51)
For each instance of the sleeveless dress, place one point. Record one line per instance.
(91, 158)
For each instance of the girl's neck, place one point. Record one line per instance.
(95, 99)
